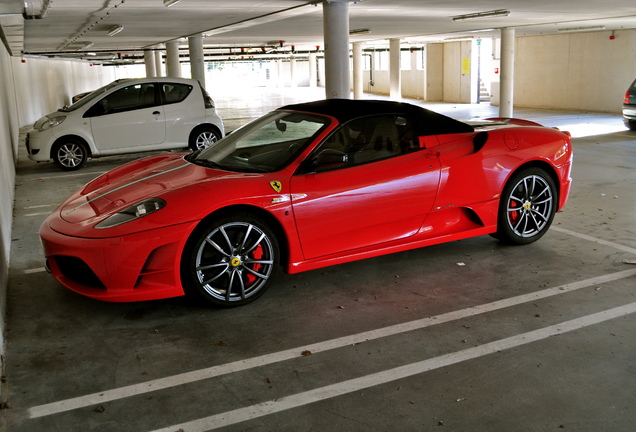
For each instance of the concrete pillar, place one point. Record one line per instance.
(292, 71)
(507, 79)
(158, 61)
(395, 77)
(173, 66)
(197, 65)
(279, 73)
(149, 61)
(358, 71)
(313, 71)
(336, 31)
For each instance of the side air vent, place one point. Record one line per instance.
(479, 140)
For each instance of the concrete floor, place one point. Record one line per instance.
(465, 336)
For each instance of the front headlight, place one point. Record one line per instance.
(51, 122)
(133, 212)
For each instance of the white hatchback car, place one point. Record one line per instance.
(127, 116)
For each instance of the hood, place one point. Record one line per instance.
(133, 183)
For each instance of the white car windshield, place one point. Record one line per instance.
(90, 97)
(267, 144)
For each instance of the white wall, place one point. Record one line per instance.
(45, 85)
(8, 156)
(576, 71)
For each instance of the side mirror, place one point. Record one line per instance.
(326, 160)
(330, 159)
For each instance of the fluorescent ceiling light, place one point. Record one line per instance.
(169, 3)
(116, 29)
(359, 32)
(488, 14)
(85, 46)
(581, 29)
(460, 38)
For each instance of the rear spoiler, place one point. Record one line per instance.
(520, 122)
(513, 121)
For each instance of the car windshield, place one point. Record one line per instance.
(267, 144)
(90, 97)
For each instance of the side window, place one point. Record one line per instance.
(365, 140)
(129, 98)
(175, 93)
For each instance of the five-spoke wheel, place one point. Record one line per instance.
(528, 205)
(231, 261)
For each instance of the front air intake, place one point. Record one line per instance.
(78, 271)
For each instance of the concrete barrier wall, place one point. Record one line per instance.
(576, 71)
(9, 133)
(44, 85)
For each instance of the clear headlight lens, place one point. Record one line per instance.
(133, 212)
(52, 122)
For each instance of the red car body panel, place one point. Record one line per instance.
(448, 190)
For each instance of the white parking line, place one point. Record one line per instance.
(594, 239)
(357, 384)
(35, 270)
(267, 359)
(37, 214)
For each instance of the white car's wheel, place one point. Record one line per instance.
(70, 154)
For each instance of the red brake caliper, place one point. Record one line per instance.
(257, 254)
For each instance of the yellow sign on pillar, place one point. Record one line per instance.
(465, 66)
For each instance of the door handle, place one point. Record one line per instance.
(156, 113)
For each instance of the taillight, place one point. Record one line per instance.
(626, 101)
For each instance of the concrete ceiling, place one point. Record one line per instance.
(64, 27)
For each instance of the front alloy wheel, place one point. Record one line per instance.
(528, 206)
(233, 261)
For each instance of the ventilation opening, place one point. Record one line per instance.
(78, 271)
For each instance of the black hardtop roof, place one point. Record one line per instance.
(427, 122)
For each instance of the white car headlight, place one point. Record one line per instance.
(51, 122)
(136, 211)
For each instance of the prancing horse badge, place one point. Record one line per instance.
(276, 185)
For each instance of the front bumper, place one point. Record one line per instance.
(38, 144)
(136, 267)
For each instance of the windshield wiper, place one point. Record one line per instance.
(207, 163)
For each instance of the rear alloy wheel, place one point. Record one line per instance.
(70, 154)
(203, 138)
(528, 205)
(232, 261)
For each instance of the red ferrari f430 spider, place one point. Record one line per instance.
(303, 187)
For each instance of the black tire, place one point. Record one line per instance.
(527, 207)
(230, 261)
(203, 137)
(70, 154)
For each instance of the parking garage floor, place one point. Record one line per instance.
(471, 335)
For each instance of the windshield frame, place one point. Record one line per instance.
(252, 148)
